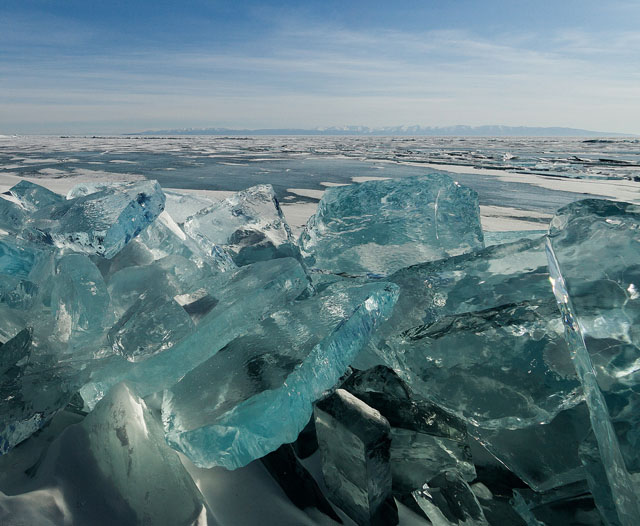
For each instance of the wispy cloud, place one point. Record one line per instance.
(309, 74)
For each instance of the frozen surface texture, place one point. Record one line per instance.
(355, 444)
(257, 392)
(382, 226)
(249, 224)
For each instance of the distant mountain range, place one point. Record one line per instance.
(450, 131)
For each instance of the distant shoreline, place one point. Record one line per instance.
(246, 135)
(397, 131)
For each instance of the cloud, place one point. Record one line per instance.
(308, 75)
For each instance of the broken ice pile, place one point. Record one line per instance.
(470, 385)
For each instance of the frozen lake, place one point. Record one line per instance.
(523, 180)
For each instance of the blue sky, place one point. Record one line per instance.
(116, 66)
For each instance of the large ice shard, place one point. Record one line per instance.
(485, 279)
(232, 307)
(33, 197)
(571, 504)
(115, 467)
(477, 334)
(499, 381)
(257, 392)
(545, 456)
(596, 476)
(354, 440)
(181, 205)
(447, 500)
(28, 266)
(382, 226)
(12, 216)
(164, 237)
(99, 223)
(18, 258)
(249, 224)
(153, 324)
(499, 375)
(170, 276)
(592, 249)
(34, 385)
(426, 439)
(80, 302)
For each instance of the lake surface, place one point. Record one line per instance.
(313, 163)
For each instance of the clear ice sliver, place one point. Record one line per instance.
(626, 500)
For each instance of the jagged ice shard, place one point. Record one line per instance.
(478, 334)
(447, 500)
(33, 197)
(182, 205)
(425, 439)
(34, 384)
(115, 468)
(234, 306)
(249, 224)
(593, 249)
(99, 223)
(12, 216)
(354, 441)
(257, 392)
(381, 226)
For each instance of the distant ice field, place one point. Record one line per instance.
(519, 179)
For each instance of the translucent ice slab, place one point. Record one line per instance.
(354, 440)
(99, 223)
(235, 305)
(382, 226)
(249, 224)
(256, 393)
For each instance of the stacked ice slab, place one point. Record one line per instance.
(473, 385)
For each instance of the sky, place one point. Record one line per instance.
(125, 66)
